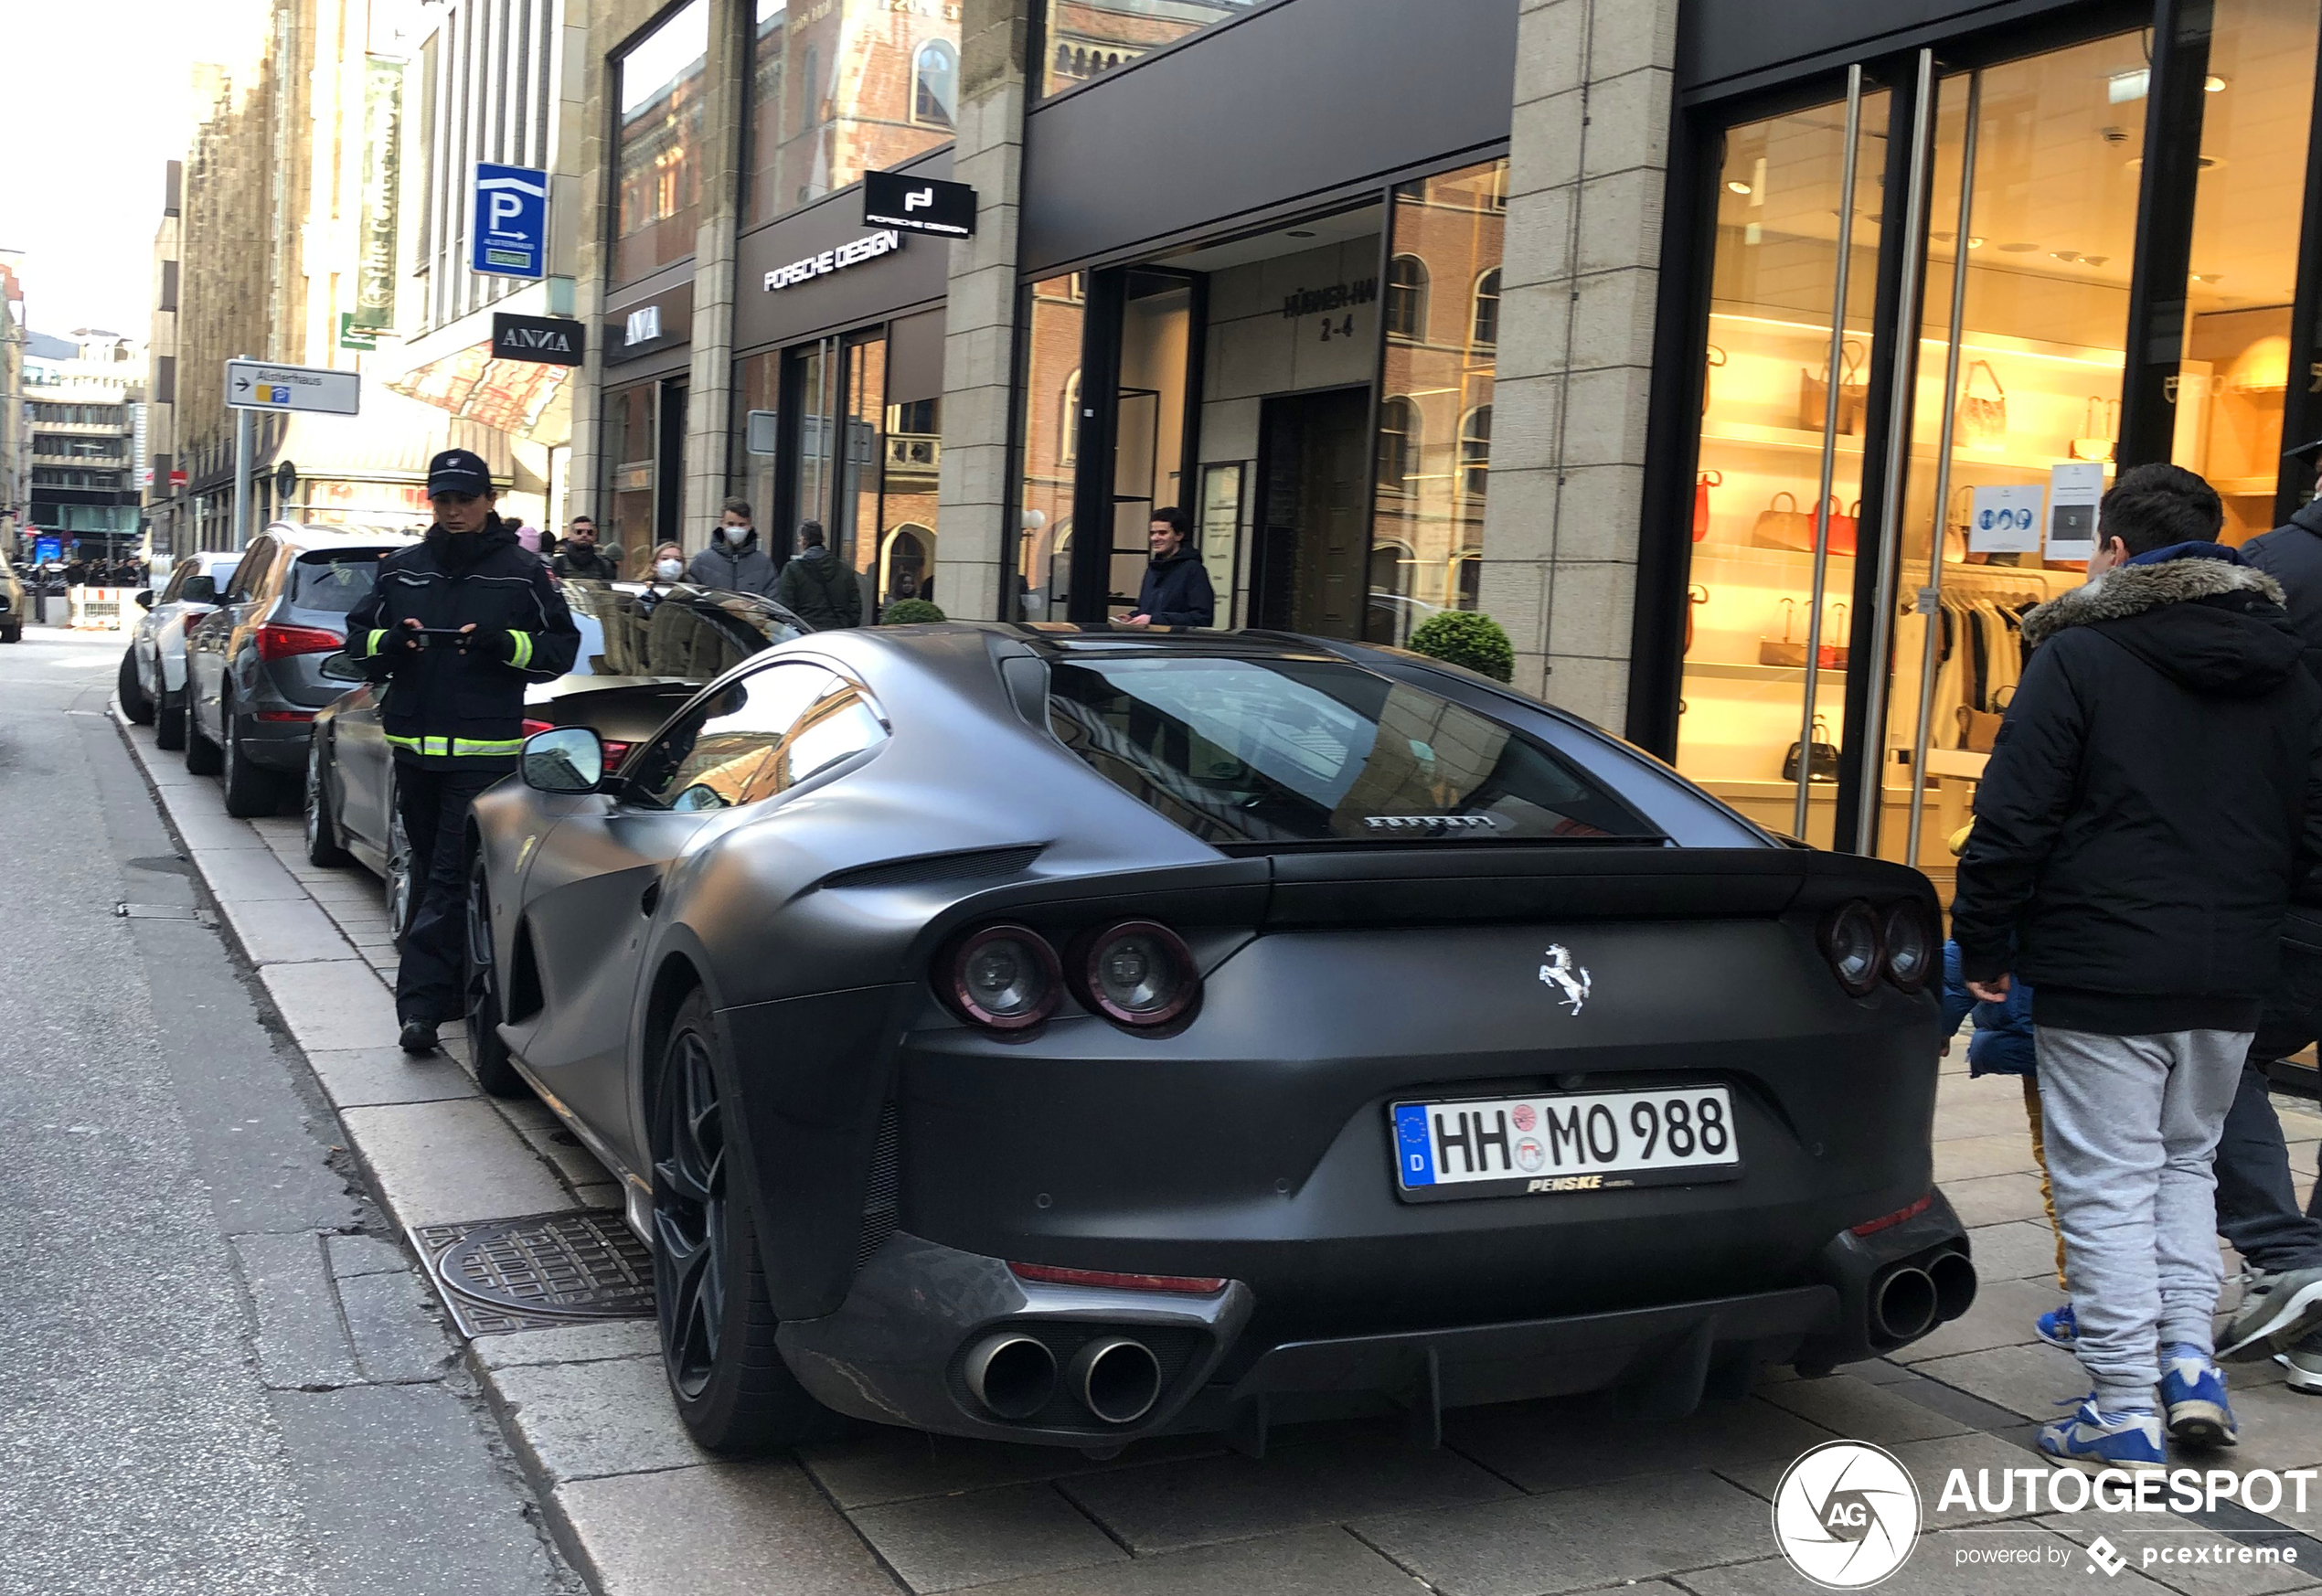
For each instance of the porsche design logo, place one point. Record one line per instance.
(1571, 979)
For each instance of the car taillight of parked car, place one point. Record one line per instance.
(1864, 944)
(284, 642)
(1138, 974)
(535, 728)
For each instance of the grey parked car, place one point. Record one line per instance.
(152, 667)
(254, 667)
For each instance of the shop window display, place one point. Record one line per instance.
(658, 205)
(1048, 428)
(1436, 367)
(844, 86)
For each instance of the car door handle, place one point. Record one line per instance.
(650, 901)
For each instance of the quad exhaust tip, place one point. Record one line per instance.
(1905, 1306)
(1013, 1376)
(1955, 1278)
(1116, 1378)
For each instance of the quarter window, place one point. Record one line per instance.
(756, 738)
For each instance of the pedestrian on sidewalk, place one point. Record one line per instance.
(817, 586)
(2257, 1206)
(734, 559)
(1175, 590)
(578, 554)
(2153, 793)
(454, 627)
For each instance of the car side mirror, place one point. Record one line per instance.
(146, 600)
(568, 760)
(341, 667)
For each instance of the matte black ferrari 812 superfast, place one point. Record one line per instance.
(1074, 1035)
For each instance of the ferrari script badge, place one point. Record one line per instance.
(1567, 977)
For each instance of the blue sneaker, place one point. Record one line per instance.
(2105, 1441)
(2058, 1328)
(2193, 1392)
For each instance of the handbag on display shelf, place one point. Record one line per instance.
(1784, 652)
(1961, 510)
(1843, 524)
(1814, 392)
(1983, 417)
(1977, 727)
(1833, 655)
(1776, 527)
(1702, 486)
(1711, 362)
(1694, 597)
(1821, 757)
(2100, 427)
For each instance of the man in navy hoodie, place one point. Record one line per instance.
(1175, 590)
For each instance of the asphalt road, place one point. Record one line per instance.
(214, 1373)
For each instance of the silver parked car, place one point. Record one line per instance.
(152, 667)
(254, 667)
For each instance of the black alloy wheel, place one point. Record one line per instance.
(323, 849)
(496, 1071)
(169, 720)
(133, 700)
(251, 790)
(717, 1318)
(203, 757)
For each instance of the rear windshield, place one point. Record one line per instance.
(1285, 752)
(334, 582)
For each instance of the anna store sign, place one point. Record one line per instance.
(854, 252)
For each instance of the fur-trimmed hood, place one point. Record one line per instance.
(2215, 626)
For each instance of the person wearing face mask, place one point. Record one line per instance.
(668, 565)
(734, 559)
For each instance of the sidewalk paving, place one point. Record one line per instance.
(1519, 1501)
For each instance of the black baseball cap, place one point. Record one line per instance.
(2309, 452)
(457, 471)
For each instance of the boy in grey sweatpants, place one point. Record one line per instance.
(2153, 797)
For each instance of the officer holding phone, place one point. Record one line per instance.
(454, 628)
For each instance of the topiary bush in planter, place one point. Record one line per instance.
(1463, 637)
(908, 612)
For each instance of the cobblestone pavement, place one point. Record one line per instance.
(1519, 1501)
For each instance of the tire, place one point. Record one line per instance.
(133, 702)
(251, 790)
(169, 722)
(400, 896)
(496, 1072)
(203, 757)
(731, 1388)
(12, 633)
(323, 849)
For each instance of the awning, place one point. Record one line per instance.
(523, 397)
(374, 464)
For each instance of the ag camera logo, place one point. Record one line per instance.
(1845, 1514)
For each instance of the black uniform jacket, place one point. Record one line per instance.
(448, 705)
(2153, 803)
(1175, 592)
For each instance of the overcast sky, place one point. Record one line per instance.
(98, 92)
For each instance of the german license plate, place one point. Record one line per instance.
(1516, 1146)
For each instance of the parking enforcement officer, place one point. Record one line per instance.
(455, 627)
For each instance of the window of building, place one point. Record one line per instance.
(1486, 319)
(936, 83)
(1407, 297)
(1048, 422)
(1475, 452)
(661, 84)
(1068, 428)
(1090, 37)
(844, 86)
(1398, 443)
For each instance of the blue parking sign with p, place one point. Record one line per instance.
(509, 235)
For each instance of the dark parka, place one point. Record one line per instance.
(2292, 555)
(2153, 796)
(451, 706)
(817, 586)
(1177, 592)
(736, 564)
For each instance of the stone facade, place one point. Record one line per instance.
(1588, 159)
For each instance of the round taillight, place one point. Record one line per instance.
(1138, 972)
(1910, 946)
(1004, 977)
(1850, 941)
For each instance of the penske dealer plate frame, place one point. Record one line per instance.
(1558, 1128)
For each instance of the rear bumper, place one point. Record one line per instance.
(894, 1352)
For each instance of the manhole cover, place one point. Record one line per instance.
(538, 1272)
